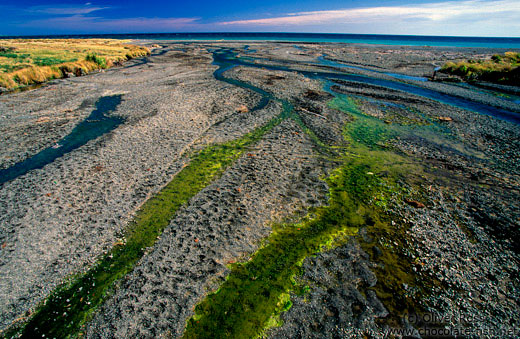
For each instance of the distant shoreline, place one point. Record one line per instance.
(376, 39)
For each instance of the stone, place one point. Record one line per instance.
(242, 109)
(415, 204)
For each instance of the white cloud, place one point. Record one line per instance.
(65, 9)
(91, 24)
(433, 12)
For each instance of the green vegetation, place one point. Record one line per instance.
(100, 61)
(47, 61)
(70, 306)
(257, 291)
(397, 284)
(32, 61)
(7, 68)
(12, 55)
(500, 69)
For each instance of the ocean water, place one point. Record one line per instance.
(403, 40)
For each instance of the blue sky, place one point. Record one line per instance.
(420, 17)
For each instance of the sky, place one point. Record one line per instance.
(500, 18)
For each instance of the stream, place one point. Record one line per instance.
(227, 59)
(94, 126)
(98, 123)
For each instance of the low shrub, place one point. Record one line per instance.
(500, 68)
(102, 62)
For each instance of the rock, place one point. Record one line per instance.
(415, 204)
(443, 77)
(42, 120)
(79, 72)
(316, 95)
(242, 109)
(66, 73)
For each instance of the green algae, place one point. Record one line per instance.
(362, 188)
(255, 292)
(375, 133)
(68, 308)
(365, 130)
(398, 284)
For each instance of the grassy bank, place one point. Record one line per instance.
(63, 313)
(500, 68)
(30, 61)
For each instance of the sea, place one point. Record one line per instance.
(377, 39)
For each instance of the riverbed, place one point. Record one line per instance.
(436, 165)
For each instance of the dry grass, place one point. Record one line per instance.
(30, 61)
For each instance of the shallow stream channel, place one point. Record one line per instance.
(99, 122)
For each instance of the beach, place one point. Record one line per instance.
(428, 166)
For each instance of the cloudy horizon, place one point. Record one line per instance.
(450, 18)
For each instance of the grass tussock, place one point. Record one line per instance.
(31, 61)
(500, 68)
